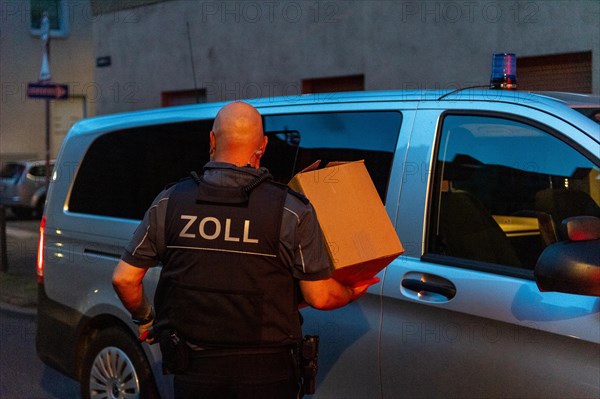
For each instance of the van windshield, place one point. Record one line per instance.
(11, 170)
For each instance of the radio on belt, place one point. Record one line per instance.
(359, 235)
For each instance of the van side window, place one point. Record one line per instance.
(150, 156)
(297, 140)
(502, 188)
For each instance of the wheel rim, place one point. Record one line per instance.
(113, 376)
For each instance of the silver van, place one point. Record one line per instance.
(494, 194)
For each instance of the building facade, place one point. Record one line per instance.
(23, 119)
(155, 53)
(122, 55)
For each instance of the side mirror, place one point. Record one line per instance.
(572, 266)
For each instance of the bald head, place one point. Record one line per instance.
(237, 135)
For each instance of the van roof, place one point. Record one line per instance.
(545, 101)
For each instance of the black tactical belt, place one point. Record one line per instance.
(217, 352)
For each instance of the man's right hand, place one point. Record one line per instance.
(146, 333)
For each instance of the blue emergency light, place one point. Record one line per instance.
(504, 71)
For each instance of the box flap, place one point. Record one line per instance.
(312, 166)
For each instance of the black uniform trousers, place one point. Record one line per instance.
(242, 376)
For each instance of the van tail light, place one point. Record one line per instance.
(40, 254)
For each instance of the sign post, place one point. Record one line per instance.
(45, 89)
(45, 76)
(3, 251)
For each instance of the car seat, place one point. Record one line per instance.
(468, 230)
(563, 203)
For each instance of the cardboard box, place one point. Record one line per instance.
(359, 235)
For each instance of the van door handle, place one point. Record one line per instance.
(448, 290)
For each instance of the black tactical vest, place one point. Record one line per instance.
(223, 283)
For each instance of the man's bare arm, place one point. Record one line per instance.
(127, 281)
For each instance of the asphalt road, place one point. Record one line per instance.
(22, 374)
(17, 286)
(22, 236)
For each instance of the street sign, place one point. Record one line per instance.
(45, 75)
(47, 90)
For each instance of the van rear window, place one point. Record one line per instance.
(124, 170)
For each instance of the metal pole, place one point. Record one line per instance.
(47, 144)
(45, 76)
(3, 251)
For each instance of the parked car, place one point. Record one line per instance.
(23, 186)
(495, 296)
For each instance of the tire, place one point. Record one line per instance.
(115, 367)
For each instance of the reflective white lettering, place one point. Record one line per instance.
(247, 233)
(228, 230)
(203, 231)
(184, 232)
(210, 229)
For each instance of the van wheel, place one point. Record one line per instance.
(115, 367)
